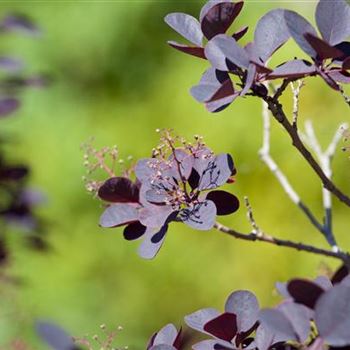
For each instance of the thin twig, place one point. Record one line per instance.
(265, 156)
(345, 96)
(278, 113)
(325, 159)
(296, 94)
(264, 237)
(250, 216)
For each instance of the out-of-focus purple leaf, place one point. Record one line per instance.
(271, 33)
(304, 292)
(299, 316)
(118, 214)
(293, 69)
(240, 33)
(318, 344)
(225, 202)
(298, 26)
(333, 20)
(10, 63)
(198, 319)
(346, 281)
(251, 73)
(19, 22)
(167, 335)
(55, 336)
(162, 347)
(201, 216)
(13, 172)
(245, 306)
(187, 26)
(223, 326)
(332, 316)
(134, 231)
(222, 48)
(119, 190)
(149, 249)
(277, 323)
(216, 17)
(190, 50)
(323, 49)
(8, 106)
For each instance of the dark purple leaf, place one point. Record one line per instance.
(215, 171)
(13, 173)
(223, 327)
(216, 17)
(304, 292)
(240, 33)
(190, 50)
(222, 48)
(346, 63)
(194, 178)
(246, 308)
(340, 274)
(118, 214)
(219, 105)
(187, 26)
(213, 345)
(119, 190)
(149, 249)
(210, 82)
(323, 49)
(19, 22)
(10, 64)
(55, 336)
(339, 76)
(134, 231)
(225, 202)
(277, 323)
(293, 69)
(298, 26)
(333, 20)
(154, 215)
(332, 315)
(299, 316)
(271, 33)
(167, 335)
(344, 47)
(225, 90)
(8, 105)
(200, 216)
(198, 319)
(250, 78)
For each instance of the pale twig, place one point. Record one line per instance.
(266, 157)
(345, 96)
(250, 216)
(296, 93)
(278, 113)
(325, 160)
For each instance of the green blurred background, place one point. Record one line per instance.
(114, 78)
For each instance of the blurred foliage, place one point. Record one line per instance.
(114, 78)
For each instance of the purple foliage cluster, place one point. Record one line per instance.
(238, 70)
(313, 314)
(177, 184)
(17, 201)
